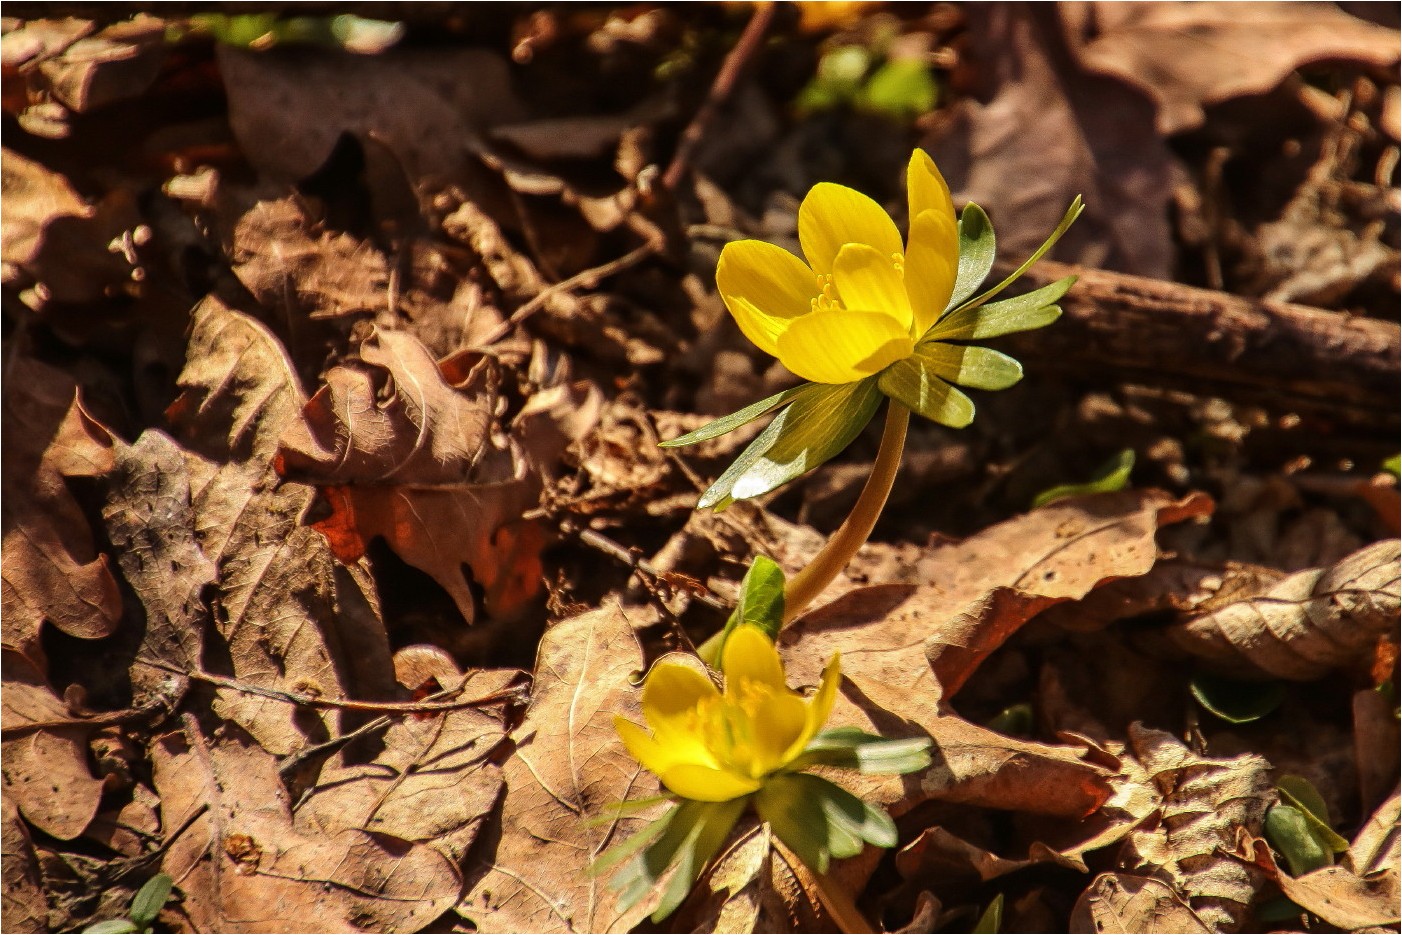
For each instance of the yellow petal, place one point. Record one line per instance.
(780, 725)
(867, 279)
(819, 707)
(842, 346)
(926, 187)
(834, 215)
(750, 656)
(931, 266)
(765, 287)
(654, 756)
(671, 697)
(707, 785)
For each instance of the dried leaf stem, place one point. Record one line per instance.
(853, 532)
(835, 899)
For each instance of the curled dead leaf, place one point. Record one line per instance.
(1305, 625)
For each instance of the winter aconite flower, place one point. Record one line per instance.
(714, 746)
(719, 751)
(869, 314)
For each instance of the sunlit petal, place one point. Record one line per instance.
(671, 698)
(645, 748)
(931, 266)
(818, 708)
(842, 346)
(707, 785)
(764, 286)
(750, 656)
(926, 187)
(781, 722)
(833, 215)
(865, 278)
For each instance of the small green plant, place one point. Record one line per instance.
(146, 905)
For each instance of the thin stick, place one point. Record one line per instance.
(730, 71)
(853, 532)
(589, 279)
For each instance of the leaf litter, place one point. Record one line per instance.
(267, 583)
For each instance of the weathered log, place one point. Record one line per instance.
(1154, 333)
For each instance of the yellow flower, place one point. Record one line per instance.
(864, 298)
(713, 746)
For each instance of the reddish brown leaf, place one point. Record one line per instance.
(24, 906)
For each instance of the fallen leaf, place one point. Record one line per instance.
(1123, 903)
(288, 111)
(751, 887)
(55, 242)
(1305, 625)
(1105, 148)
(432, 783)
(117, 63)
(939, 855)
(1190, 56)
(150, 522)
(404, 454)
(292, 618)
(243, 866)
(24, 906)
(45, 768)
(1200, 807)
(52, 571)
(1376, 745)
(531, 873)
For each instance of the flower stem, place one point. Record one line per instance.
(853, 532)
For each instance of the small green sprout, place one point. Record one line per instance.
(146, 905)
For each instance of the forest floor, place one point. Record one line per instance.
(337, 352)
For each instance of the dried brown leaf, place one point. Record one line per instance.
(405, 454)
(244, 866)
(293, 619)
(45, 769)
(751, 887)
(1090, 135)
(1377, 749)
(151, 524)
(289, 111)
(1190, 56)
(1123, 903)
(568, 769)
(938, 854)
(55, 242)
(1198, 808)
(24, 907)
(1307, 624)
(52, 571)
(431, 783)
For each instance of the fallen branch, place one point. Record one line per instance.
(1158, 333)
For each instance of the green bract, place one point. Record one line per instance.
(816, 421)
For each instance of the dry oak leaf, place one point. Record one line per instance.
(45, 768)
(1106, 148)
(530, 872)
(1198, 809)
(1191, 56)
(52, 572)
(289, 111)
(1306, 625)
(243, 866)
(403, 449)
(432, 781)
(292, 617)
(55, 244)
(905, 648)
(150, 521)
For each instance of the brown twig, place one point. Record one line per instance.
(721, 88)
(639, 565)
(105, 719)
(314, 701)
(588, 279)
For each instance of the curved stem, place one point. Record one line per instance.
(835, 899)
(853, 533)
